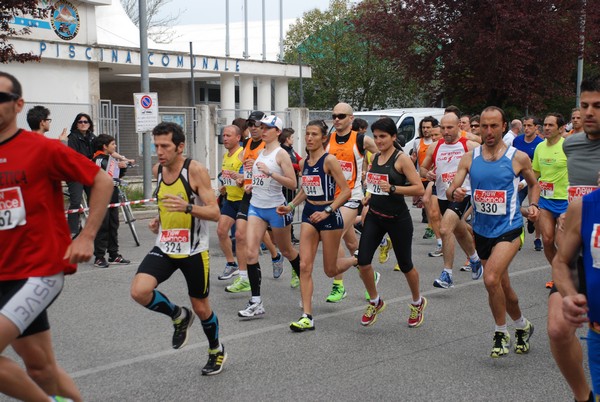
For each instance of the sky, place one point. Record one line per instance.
(213, 11)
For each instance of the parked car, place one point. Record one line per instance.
(407, 120)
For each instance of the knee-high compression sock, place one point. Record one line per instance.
(211, 330)
(296, 265)
(161, 304)
(254, 276)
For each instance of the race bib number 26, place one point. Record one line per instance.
(12, 208)
(374, 181)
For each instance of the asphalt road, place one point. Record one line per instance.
(117, 350)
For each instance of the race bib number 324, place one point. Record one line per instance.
(175, 241)
(12, 208)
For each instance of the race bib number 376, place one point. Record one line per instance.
(12, 208)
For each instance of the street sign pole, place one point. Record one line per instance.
(145, 87)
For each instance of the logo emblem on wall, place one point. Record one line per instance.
(65, 20)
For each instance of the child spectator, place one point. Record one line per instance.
(107, 237)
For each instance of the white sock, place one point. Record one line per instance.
(501, 328)
(474, 257)
(255, 299)
(243, 274)
(521, 323)
(418, 302)
(439, 242)
(375, 302)
(449, 270)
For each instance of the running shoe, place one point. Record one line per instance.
(295, 241)
(216, 359)
(377, 277)
(530, 227)
(537, 245)
(303, 324)
(416, 316)
(444, 281)
(550, 284)
(370, 315)
(466, 267)
(428, 233)
(396, 267)
(182, 325)
(522, 338)
(338, 292)
(252, 310)
(239, 285)
(295, 281)
(476, 269)
(57, 398)
(437, 252)
(231, 269)
(277, 266)
(501, 344)
(118, 260)
(101, 262)
(384, 250)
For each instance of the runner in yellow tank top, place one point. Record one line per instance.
(186, 201)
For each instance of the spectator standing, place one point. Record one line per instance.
(81, 140)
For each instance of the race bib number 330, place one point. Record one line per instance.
(12, 208)
(490, 202)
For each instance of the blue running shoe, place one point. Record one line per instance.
(476, 269)
(444, 281)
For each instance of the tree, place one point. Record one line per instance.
(8, 10)
(345, 66)
(158, 27)
(481, 52)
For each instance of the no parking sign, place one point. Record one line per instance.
(146, 111)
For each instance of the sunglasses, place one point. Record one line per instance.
(474, 125)
(253, 123)
(48, 120)
(83, 122)
(340, 116)
(8, 97)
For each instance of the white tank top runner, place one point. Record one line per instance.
(446, 161)
(266, 191)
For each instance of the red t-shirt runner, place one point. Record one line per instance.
(34, 234)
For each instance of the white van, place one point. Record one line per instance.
(407, 120)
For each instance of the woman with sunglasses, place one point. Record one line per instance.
(81, 140)
(321, 218)
(391, 177)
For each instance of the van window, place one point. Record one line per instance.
(407, 128)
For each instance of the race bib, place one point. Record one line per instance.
(312, 186)
(12, 208)
(576, 192)
(228, 178)
(374, 181)
(112, 168)
(546, 189)
(447, 177)
(261, 180)
(347, 169)
(175, 241)
(248, 175)
(490, 202)
(595, 245)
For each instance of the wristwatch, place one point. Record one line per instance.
(392, 189)
(328, 209)
(188, 209)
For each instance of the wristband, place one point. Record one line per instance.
(533, 204)
(291, 205)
